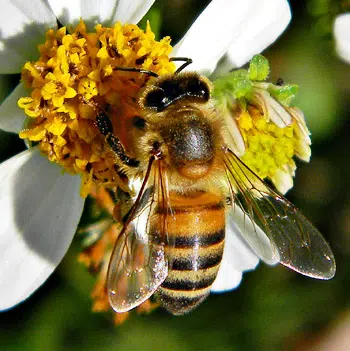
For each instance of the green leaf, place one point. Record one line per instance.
(259, 68)
(285, 94)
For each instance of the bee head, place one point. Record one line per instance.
(175, 109)
(169, 89)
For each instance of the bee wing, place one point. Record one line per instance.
(138, 265)
(238, 257)
(240, 227)
(295, 242)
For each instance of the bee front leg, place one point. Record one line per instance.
(105, 126)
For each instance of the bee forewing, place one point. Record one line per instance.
(238, 223)
(300, 245)
(135, 272)
(297, 243)
(138, 265)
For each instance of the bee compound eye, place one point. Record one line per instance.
(193, 85)
(204, 90)
(172, 89)
(198, 88)
(156, 99)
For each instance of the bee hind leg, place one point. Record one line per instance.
(105, 126)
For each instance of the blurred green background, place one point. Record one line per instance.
(274, 308)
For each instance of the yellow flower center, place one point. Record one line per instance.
(268, 147)
(75, 78)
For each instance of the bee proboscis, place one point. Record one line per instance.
(193, 189)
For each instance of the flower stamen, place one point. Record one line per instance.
(74, 79)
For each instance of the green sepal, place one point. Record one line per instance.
(259, 68)
(285, 94)
(236, 84)
(242, 102)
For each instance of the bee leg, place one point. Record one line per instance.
(139, 70)
(105, 126)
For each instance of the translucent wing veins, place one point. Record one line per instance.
(298, 244)
(138, 265)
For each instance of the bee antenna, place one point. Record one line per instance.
(134, 69)
(187, 62)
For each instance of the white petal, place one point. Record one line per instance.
(291, 167)
(303, 150)
(238, 257)
(342, 36)
(272, 108)
(23, 26)
(240, 225)
(233, 136)
(69, 12)
(283, 181)
(11, 116)
(277, 112)
(41, 208)
(127, 11)
(227, 279)
(260, 27)
(95, 11)
(301, 130)
(209, 37)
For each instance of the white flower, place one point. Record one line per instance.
(41, 207)
(342, 36)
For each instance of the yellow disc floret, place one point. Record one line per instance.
(268, 147)
(75, 78)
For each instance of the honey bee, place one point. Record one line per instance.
(193, 191)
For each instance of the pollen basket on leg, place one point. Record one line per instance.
(75, 78)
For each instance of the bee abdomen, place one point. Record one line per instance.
(196, 236)
(190, 277)
(178, 303)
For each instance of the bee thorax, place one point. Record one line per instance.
(191, 146)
